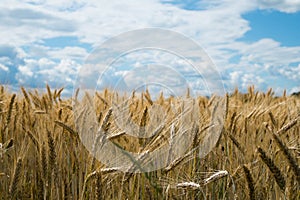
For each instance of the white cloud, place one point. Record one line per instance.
(295, 89)
(292, 73)
(251, 79)
(244, 80)
(10, 58)
(4, 68)
(235, 77)
(288, 6)
(68, 52)
(23, 23)
(265, 58)
(217, 28)
(37, 73)
(270, 51)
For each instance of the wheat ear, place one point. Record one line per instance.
(86, 181)
(52, 157)
(68, 128)
(27, 99)
(10, 108)
(99, 186)
(216, 176)
(188, 185)
(288, 155)
(288, 126)
(273, 168)
(250, 182)
(34, 140)
(49, 93)
(16, 178)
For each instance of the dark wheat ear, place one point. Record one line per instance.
(99, 186)
(10, 108)
(43, 162)
(51, 156)
(16, 178)
(288, 155)
(250, 182)
(291, 160)
(273, 168)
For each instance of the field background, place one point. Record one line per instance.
(256, 157)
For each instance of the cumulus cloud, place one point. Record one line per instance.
(265, 58)
(4, 68)
(68, 52)
(10, 60)
(239, 78)
(292, 73)
(216, 25)
(17, 69)
(30, 23)
(289, 6)
(37, 73)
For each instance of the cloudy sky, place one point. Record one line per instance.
(250, 42)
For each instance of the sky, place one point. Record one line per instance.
(249, 42)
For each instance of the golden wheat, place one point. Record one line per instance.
(57, 165)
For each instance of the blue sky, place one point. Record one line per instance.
(250, 42)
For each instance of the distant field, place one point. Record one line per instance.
(256, 156)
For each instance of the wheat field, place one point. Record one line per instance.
(255, 157)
